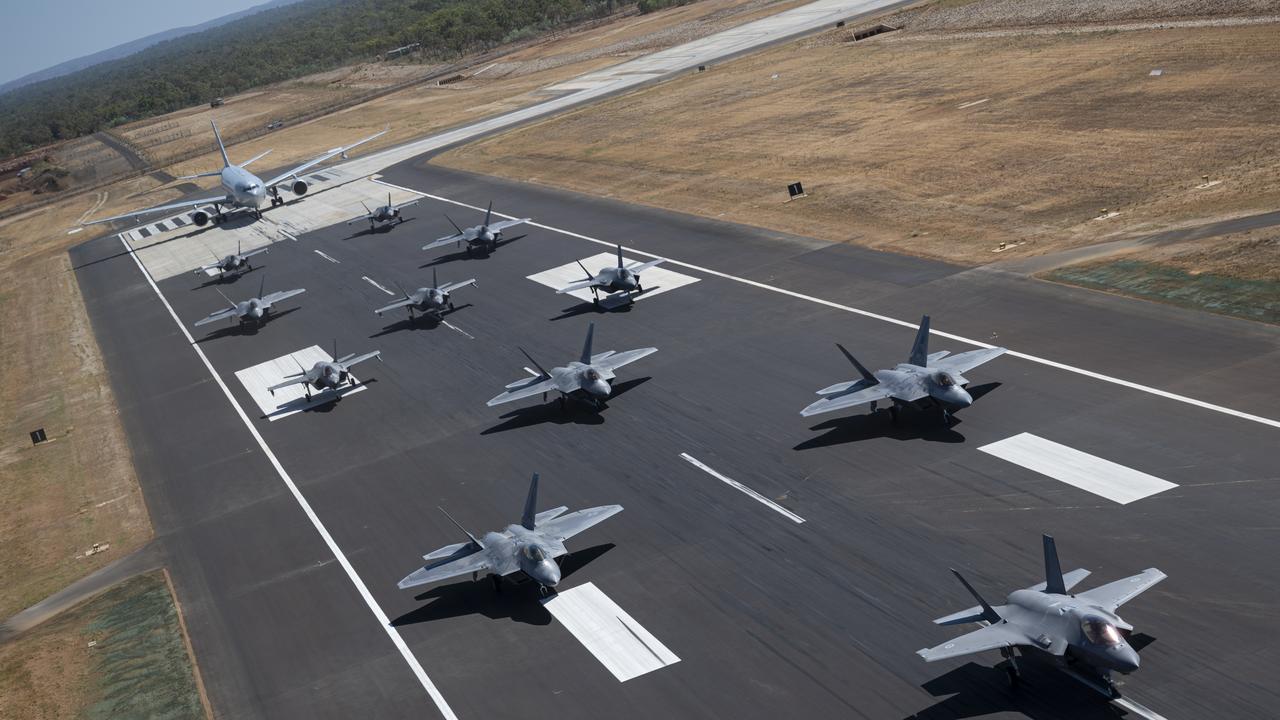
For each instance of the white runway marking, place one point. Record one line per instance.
(743, 488)
(885, 318)
(1100, 477)
(457, 329)
(326, 257)
(73, 231)
(441, 704)
(656, 280)
(370, 280)
(293, 399)
(975, 102)
(617, 640)
(282, 232)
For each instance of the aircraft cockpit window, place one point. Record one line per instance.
(535, 553)
(592, 375)
(945, 380)
(1099, 631)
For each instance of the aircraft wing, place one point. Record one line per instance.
(1114, 594)
(290, 380)
(349, 363)
(317, 160)
(407, 203)
(966, 361)
(536, 386)
(844, 387)
(641, 267)
(840, 402)
(987, 638)
(272, 298)
(362, 218)
(566, 526)
(449, 240)
(504, 224)
(1069, 580)
(616, 360)
(455, 286)
(394, 306)
(214, 317)
(259, 251)
(457, 564)
(184, 205)
(579, 285)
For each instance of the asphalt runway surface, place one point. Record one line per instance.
(769, 617)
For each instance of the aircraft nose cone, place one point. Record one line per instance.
(1124, 659)
(961, 397)
(545, 573)
(599, 388)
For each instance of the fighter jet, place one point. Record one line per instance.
(241, 188)
(429, 300)
(236, 262)
(1080, 634)
(623, 278)
(927, 377)
(484, 236)
(383, 213)
(530, 548)
(587, 377)
(326, 374)
(254, 310)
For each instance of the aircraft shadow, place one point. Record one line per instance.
(225, 279)
(245, 329)
(469, 255)
(517, 602)
(588, 307)
(1044, 693)
(913, 424)
(576, 412)
(419, 322)
(321, 402)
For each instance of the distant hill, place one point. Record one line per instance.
(126, 49)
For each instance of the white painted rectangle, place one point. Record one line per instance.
(655, 280)
(293, 399)
(613, 636)
(1100, 477)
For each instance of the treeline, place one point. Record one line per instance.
(275, 45)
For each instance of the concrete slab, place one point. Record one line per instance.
(614, 637)
(293, 399)
(656, 280)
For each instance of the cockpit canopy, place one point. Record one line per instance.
(944, 379)
(592, 375)
(1100, 632)
(535, 553)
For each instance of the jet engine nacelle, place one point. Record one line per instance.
(299, 187)
(200, 218)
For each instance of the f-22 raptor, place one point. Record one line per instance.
(934, 377)
(530, 548)
(1078, 633)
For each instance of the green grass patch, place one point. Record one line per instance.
(1249, 299)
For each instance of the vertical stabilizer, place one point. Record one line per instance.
(1052, 569)
(262, 286)
(866, 376)
(488, 214)
(226, 162)
(988, 613)
(920, 349)
(619, 257)
(530, 504)
(435, 282)
(586, 347)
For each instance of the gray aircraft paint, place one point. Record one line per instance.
(1079, 633)
(235, 262)
(326, 375)
(428, 300)
(937, 376)
(389, 213)
(254, 310)
(589, 376)
(621, 278)
(530, 547)
(486, 235)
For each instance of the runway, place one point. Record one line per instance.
(766, 616)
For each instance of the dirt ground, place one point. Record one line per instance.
(938, 147)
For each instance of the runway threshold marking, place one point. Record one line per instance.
(620, 643)
(742, 488)
(883, 318)
(394, 634)
(1078, 469)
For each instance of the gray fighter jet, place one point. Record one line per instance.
(587, 377)
(1080, 634)
(254, 310)
(236, 262)
(388, 213)
(429, 300)
(486, 235)
(325, 375)
(530, 548)
(935, 378)
(621, 279)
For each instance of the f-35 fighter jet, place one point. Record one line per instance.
(388, 213)
(587, 377)
(935, 377)
(530, 548)
(486, 235)
(326, 375)
(236, 262)
(254, 310)
(623, 278)
(432, 300)
(1080, 634)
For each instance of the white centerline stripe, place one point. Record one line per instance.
(735, 484)
(1100, 477)
(883, 318)
(455, 328)
(381, 616)
(620, 643)
(369, 280)
(326, 257)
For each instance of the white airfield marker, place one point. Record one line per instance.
(1100, 477)
(656, 280)
(293, 399)
(743, 488)
(619, 642)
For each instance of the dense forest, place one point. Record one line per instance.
(277, 44)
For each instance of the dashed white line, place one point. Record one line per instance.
(883, 318)
(371, 281)
(455, 328)
(378, 614)
(326, 257)
(739, 486)
(282, 232)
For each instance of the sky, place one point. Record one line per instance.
(37, 34)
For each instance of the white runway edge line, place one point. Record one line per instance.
(381, 616)
(884, 318)
(1112, 481)
(746, 490)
